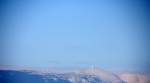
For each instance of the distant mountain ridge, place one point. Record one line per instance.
(89, 75)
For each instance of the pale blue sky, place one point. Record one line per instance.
(108, 34)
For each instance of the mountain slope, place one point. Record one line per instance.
(84, 76)
(104, 75)
(135, 78)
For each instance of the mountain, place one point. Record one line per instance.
(91, 75)
(9, 76)
(135, 77)
(104, 75)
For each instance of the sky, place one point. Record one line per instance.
(110, 34)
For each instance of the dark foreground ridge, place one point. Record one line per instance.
(14, 76)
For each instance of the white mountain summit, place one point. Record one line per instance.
(102, 74)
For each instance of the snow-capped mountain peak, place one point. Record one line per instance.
(102, 74)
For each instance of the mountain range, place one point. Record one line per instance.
(90, 75)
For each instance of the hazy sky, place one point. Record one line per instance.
(111, 34)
